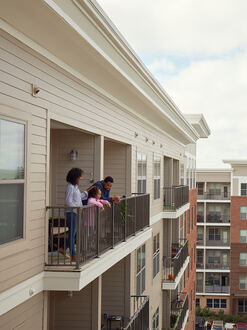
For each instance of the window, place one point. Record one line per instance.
(181, 173)
(216, 303)
(200, 213)
(243, 236)
(243, 189)
(214, 234)
(213, 257)
(243, 282)
(12, 180)
(243, 259)
(200, 187)
(199, 259)
(155, 320)
(140, 270)
(141, 173)
(156, 254)
(242, 305)
(156, 177)
(214, 189)
(197, 302)
(243, 212)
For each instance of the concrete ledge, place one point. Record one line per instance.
(175, 214)
(198, 270)
(214, 224)
(213, 294)
(173, 285)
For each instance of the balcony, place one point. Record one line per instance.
(214, 195)
(218, 218)
(200, 218)
(217, 289)
(219, 266)
(176, 201)
(174, 266)
(179, 312)
(140, 318)
(97, 231)
(219, 242)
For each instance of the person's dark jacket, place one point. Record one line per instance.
(105, 194)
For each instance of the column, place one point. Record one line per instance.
(96, 303)
(98, 158)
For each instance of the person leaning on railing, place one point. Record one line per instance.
(105, 187)
(73, 198)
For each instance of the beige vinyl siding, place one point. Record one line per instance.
(235, 188)
(113, 290)
(71, 312)
(70, 102)
(115, 158)
(213, 177)
(62, 142)
(27, 316)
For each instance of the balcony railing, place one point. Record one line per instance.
(96, 230)
(140, 318)
(217, 289)
(215, 196)
(219, 242)
(175, 197)
(217, 266)
(199, 265)
(222, 218)
(178, 313)
(173, 265)
(200, 218)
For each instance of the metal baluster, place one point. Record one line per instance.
(78, 237)
(52, 216)
(113, 223)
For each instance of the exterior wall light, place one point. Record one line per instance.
(73, 154)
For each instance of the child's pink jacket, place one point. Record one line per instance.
(89, 221)
(98, 202)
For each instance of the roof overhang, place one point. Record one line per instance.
(213, 170)
(199, 123)
(240, 162)
(78, 37)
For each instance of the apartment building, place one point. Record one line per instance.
(221, 243)
(74, 94)
(213, 239)
(238, 274)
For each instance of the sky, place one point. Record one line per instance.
(197, 50)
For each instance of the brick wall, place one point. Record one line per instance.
(236, 249)
(190, 276)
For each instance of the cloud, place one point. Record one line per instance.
(192, 27)
(216, 88)
(161, 65)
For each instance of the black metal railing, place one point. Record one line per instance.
(179, 311)
(215, 195)
(217, 289)
(172, 265)
(140, 318)
(87, 232)
(221, 218)
(175, 197)
(217, 266)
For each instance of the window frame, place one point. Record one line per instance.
(142, 158)
(156, 177)
(141, 274)
(156, 254)
(245, 236)
(243, 189)
(244, 278)
(243, 259)
(243, 215)
(21, 241)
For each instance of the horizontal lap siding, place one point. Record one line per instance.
(27, 316)
(73, 103)
(71, 312)
(115, 166)
(113, 284)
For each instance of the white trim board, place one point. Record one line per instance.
(173, 285)
(204, 270)
(213, 247)
(212, 294)
(213, 201)
(214, 224)
(70, 281)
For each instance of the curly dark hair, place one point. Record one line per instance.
(92, 192)
(109, 179)
(73, 175)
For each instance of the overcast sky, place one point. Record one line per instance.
(197, 49)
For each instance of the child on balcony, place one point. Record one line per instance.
(94, 196)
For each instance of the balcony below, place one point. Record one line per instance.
(140, 317)
(179, 312)
(175, 266)
(176, 201)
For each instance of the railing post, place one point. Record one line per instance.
(135, 216)
(113, 229)
(125, 218)
(97, 232)
(78, 237)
